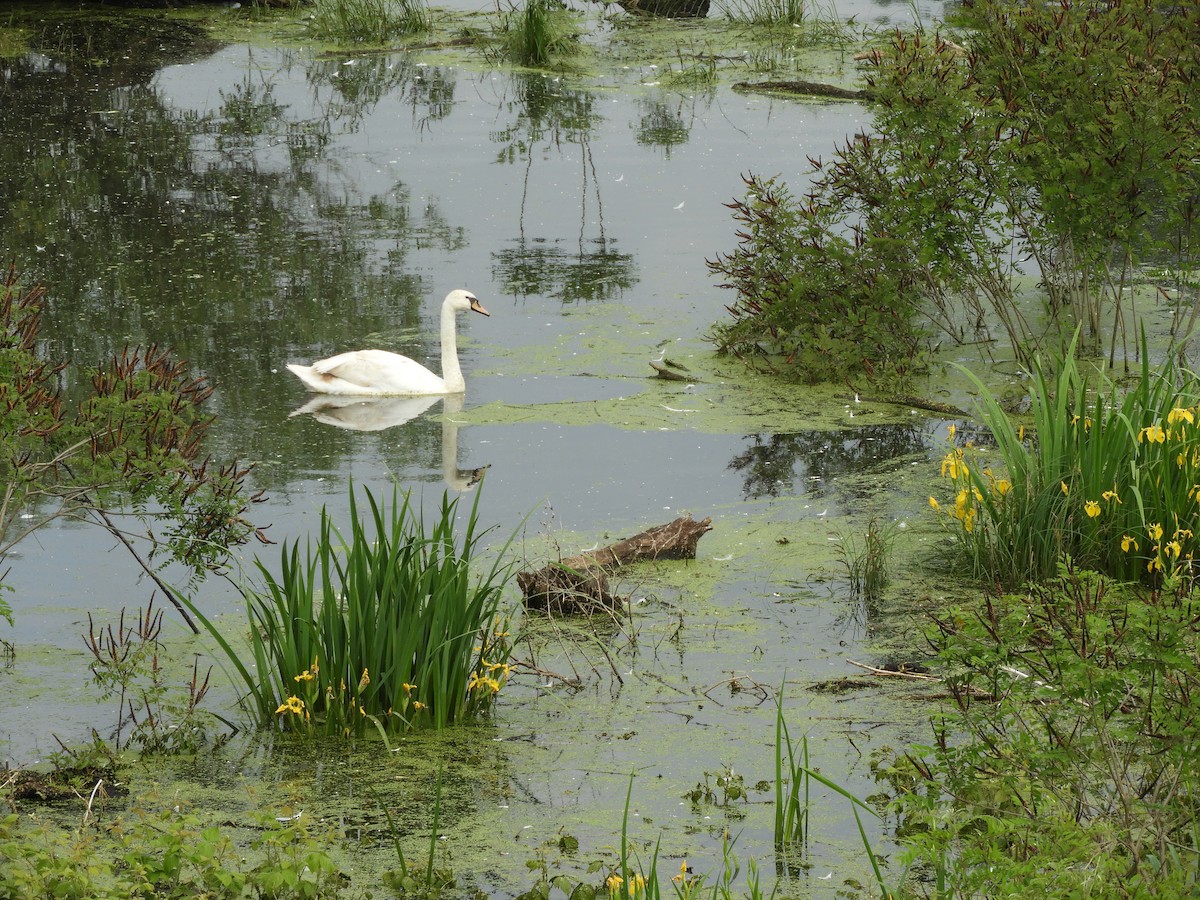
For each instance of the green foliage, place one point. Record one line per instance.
(408, 883)
(383, 628)
(701, 72)
(537, 33)
(631, 879)
(1107, 480)
(765, 12)
(368, 21)
(867, 560)
(134, 437)
(791, 784)
(127, 666)
(1067, 766)
(724, 790)
(1061, 141)
(547, 862)
(831, 300)
(169, 855)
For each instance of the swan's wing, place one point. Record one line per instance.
(380, 372)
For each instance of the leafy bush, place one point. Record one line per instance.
(170, 855)
(135, 437)
(1067, 766)
(1107, 480)
(1060, 143)
(833, 305)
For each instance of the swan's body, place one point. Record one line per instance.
(374, 373)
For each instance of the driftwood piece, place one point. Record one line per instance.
(580, 583)
(806, 88)
(670, 371)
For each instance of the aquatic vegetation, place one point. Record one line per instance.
(535, 34)
(792, 784)
(968, 175)
(384, 630)
(133, 442)
(765, 12)
(1066, 766)
(867, 562)
(170, 854)
(727, 787)
(127, 665)
(1107, 480)
(368, 21)
(701, 72)
(429, 883)
(828, 301)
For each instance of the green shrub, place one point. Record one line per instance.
(1058, 144)
(132, 442)
(1066, 767)
(826, 303)
(168, 854)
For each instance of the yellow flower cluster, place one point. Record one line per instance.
(295, 706)
(637, 885)
(482, 683)
(492, 679)
(1166, 555)
(968, 498)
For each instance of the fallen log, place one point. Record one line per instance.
(579, 584)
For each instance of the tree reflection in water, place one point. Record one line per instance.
(555, 118)
(769, 464)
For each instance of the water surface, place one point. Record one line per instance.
(252, 206)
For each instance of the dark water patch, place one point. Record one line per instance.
(124, 45)
(772, 464)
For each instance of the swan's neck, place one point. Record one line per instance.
(451, 372)
(451, 407)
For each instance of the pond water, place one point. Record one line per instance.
(253, 205)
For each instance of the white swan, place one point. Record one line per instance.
(379, 373)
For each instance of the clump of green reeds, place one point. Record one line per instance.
(867, 559)
(809, 23)
(1104, 478)
(382, 627)
(764, 12)
(794, 778)
(791, 784)
(368, 21)
(533, 34)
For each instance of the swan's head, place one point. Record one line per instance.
(461, 301)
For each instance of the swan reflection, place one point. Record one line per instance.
(379, 413)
